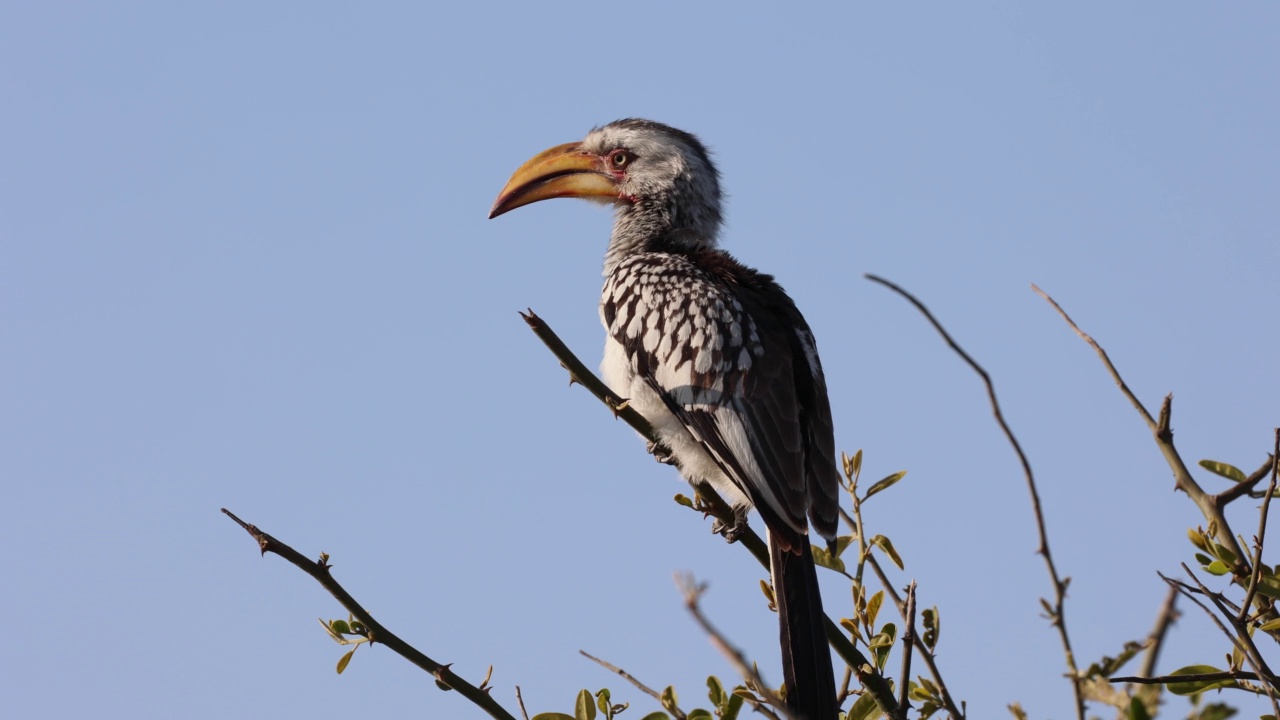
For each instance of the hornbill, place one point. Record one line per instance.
(714, 355)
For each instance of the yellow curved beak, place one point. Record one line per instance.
(562, 171)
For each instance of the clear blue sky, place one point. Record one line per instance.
(244, 262)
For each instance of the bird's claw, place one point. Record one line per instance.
(617, 405)
(660, 452)
(731, 533)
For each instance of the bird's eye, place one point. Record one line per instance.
(620, 159)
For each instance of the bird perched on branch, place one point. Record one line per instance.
(714, 355)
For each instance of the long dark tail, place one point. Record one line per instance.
(806, 659)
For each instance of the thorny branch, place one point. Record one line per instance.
(1057, 609)
(1163, 435)
(1212, 507)
(578, 373)
(319, 570)
(908, 641)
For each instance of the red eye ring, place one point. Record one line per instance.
(619, 159)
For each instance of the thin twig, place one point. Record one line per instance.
(1059, 585)
(908, 643)
(674, 710)
(1163, 434)
(319, 570)
(692, 592)
(1246, 486)
(578, 372)
(1256, 576)
(1190, 677)
(1155, 640)
(925, 653)
(520, 701)
(1240, 640)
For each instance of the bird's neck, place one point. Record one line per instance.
(657, 227)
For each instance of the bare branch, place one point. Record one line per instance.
(520, 701)
(1155, 640)
(319, 570)
(692, 592)
(1163, 433)
(1059, 585)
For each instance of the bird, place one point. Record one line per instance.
(715, 355)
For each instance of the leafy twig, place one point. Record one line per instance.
(1163, 433)
(680, 715)
(1256, 575)
(319, 570)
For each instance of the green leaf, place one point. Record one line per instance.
(668, 698)
(1230, 472)
(1269, 585)
(865, 709)
(1223, 553)
(852, 465)
(602, 701)
(884, 484)
(1219, 711)
(340, 626)
(699, 714)
(715, 692)
(873, 607)
(888, 633)
(854, 633)
(342, 662)
(767, 589)
(1137, 710)
(932, 626)
(822, 558)
(883, 543)
(1191, 687)
(1108, 666)
(683, 500)
(1196, 536)
(842, 543)
(584, 708)
(732, 708)
(882, 644)
(1217, 567)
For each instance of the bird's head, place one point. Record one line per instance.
(661, 181)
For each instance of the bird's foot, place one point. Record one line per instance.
(731, 532)
(617, 404)
(660, 452)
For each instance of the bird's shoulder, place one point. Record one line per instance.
(700, 317)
